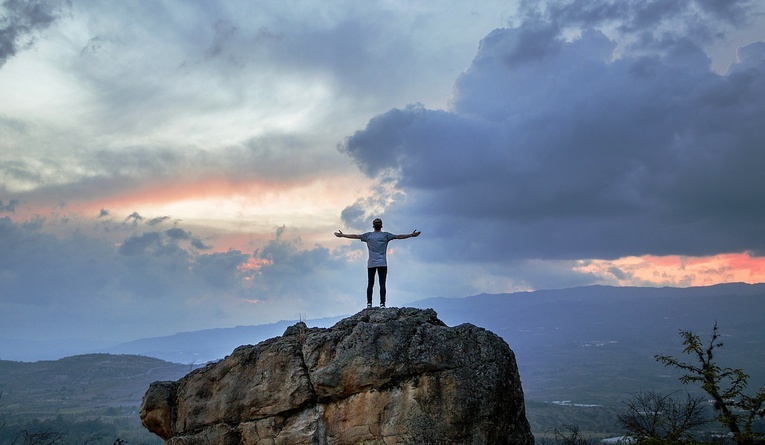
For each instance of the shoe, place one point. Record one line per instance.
(369, 305)
(382, 305)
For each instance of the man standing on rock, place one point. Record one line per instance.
(377, 244)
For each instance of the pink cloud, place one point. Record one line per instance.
(676, 270)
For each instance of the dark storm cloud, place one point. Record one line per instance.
(10, 207)
(153, 281)
(354, 215)
(199, 244)
(20, 20)
(221, 270)
(314, 276)
(38, 268)
(134, 218)
(34, 224)
(138, 244)
(554, 149)
(179, 234)
(167, 243)
(167, 264)
(698, 19)
(157, 220)
(72, 276)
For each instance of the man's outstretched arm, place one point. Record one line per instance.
(408, 235)
(340, 234)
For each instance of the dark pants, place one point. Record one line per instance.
(383, 273)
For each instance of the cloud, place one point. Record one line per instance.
(138, 244)
(134, 218)
(676, 270)
(41, 267)
(178, 234)
(559, 147)
(157, 220)
(168, 173)
(38, 268)
(313, 278)
(654, 21)
(10, 207)
(158, 282)
(199, 244)
(20, 21)
(216, 99)
(360, 214)
(221, 270)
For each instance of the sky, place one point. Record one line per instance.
(170, 166)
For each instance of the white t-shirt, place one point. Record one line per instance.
(377, 243)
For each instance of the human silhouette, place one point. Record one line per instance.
(377, 244)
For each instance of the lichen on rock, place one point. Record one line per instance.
(393, 376)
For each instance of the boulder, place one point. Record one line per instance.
(393, 376)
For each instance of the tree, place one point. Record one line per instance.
(652, 417)
(567, 435)
(48, 437)
(735, 410)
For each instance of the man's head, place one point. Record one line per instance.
(377, 224)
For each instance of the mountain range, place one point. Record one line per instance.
(588, 345)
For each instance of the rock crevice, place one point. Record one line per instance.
(394, 376)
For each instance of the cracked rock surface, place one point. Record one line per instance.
(382, 376)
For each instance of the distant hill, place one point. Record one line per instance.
(200, 347)
(84, 385)
(596, 344)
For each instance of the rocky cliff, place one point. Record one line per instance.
(392, 376)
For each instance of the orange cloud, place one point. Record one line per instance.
(164, 192)
(254, 264)
(675, 270)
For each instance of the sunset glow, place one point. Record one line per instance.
(677, 270)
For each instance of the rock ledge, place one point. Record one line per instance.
(392, 376)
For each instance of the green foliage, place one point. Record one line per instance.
(735, 410)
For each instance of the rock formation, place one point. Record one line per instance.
(392, 376)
